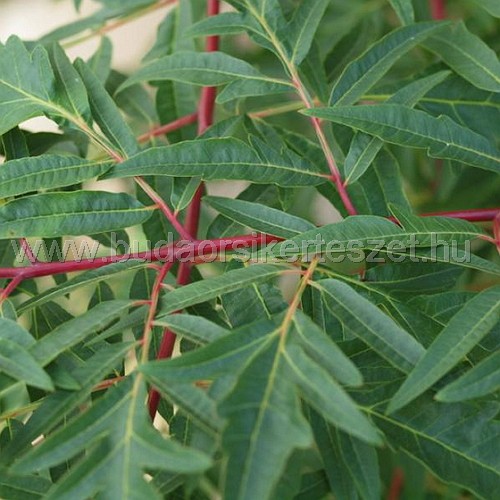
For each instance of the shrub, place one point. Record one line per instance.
(279, 358)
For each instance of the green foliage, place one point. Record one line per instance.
(282, 351)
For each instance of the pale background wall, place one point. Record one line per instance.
(31, 19)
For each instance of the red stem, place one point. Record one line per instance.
(169, 127)
(10, 288)
(397, 484)
(154, 397)
(438, 9)
(164, 208)
(165, 352)
(474, 215)
(188, 251)
(195, 249)
(205, 114)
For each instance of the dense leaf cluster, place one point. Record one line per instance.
(300, 370)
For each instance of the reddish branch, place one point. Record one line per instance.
(474, 215)
(193, 249)
(438, 9)
(169, 127)
(187, 251)
(205, 118)
(397, 484)
(160, 203)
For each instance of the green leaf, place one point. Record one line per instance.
(239, 89)
(21, 487)
(363, 319)
(364, 148)
(491, 6)
(183, 191)
(26, 83)
(479, 381)
(327, 397)
(404, 10)
(365, 71)
(58, 405)
(460, 335)
(121, 443)
(468, 55)
(201, 68)
(259, 217)
(72, 332)
(64, 214)
(265, 425)
(227, 23)
(14, 144)
(17, 362)
(359, 232)
(303, 26)
(46, 172)
(467, 105)
(318, 345)
(100, 62)
(444, 438)
(201, 291)
(195, 328)
(413, 277)
(106, 113)
(361, 460)
(214, 159)
(442, 137)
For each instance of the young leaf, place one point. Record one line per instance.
(468, 55)
(212, 159)
(259, 217)
(442, 137)
(365, 71)
(479, 381)
(64, 214)
(462, 333)
(46, 172)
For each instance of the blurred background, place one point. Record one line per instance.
(31, 19)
